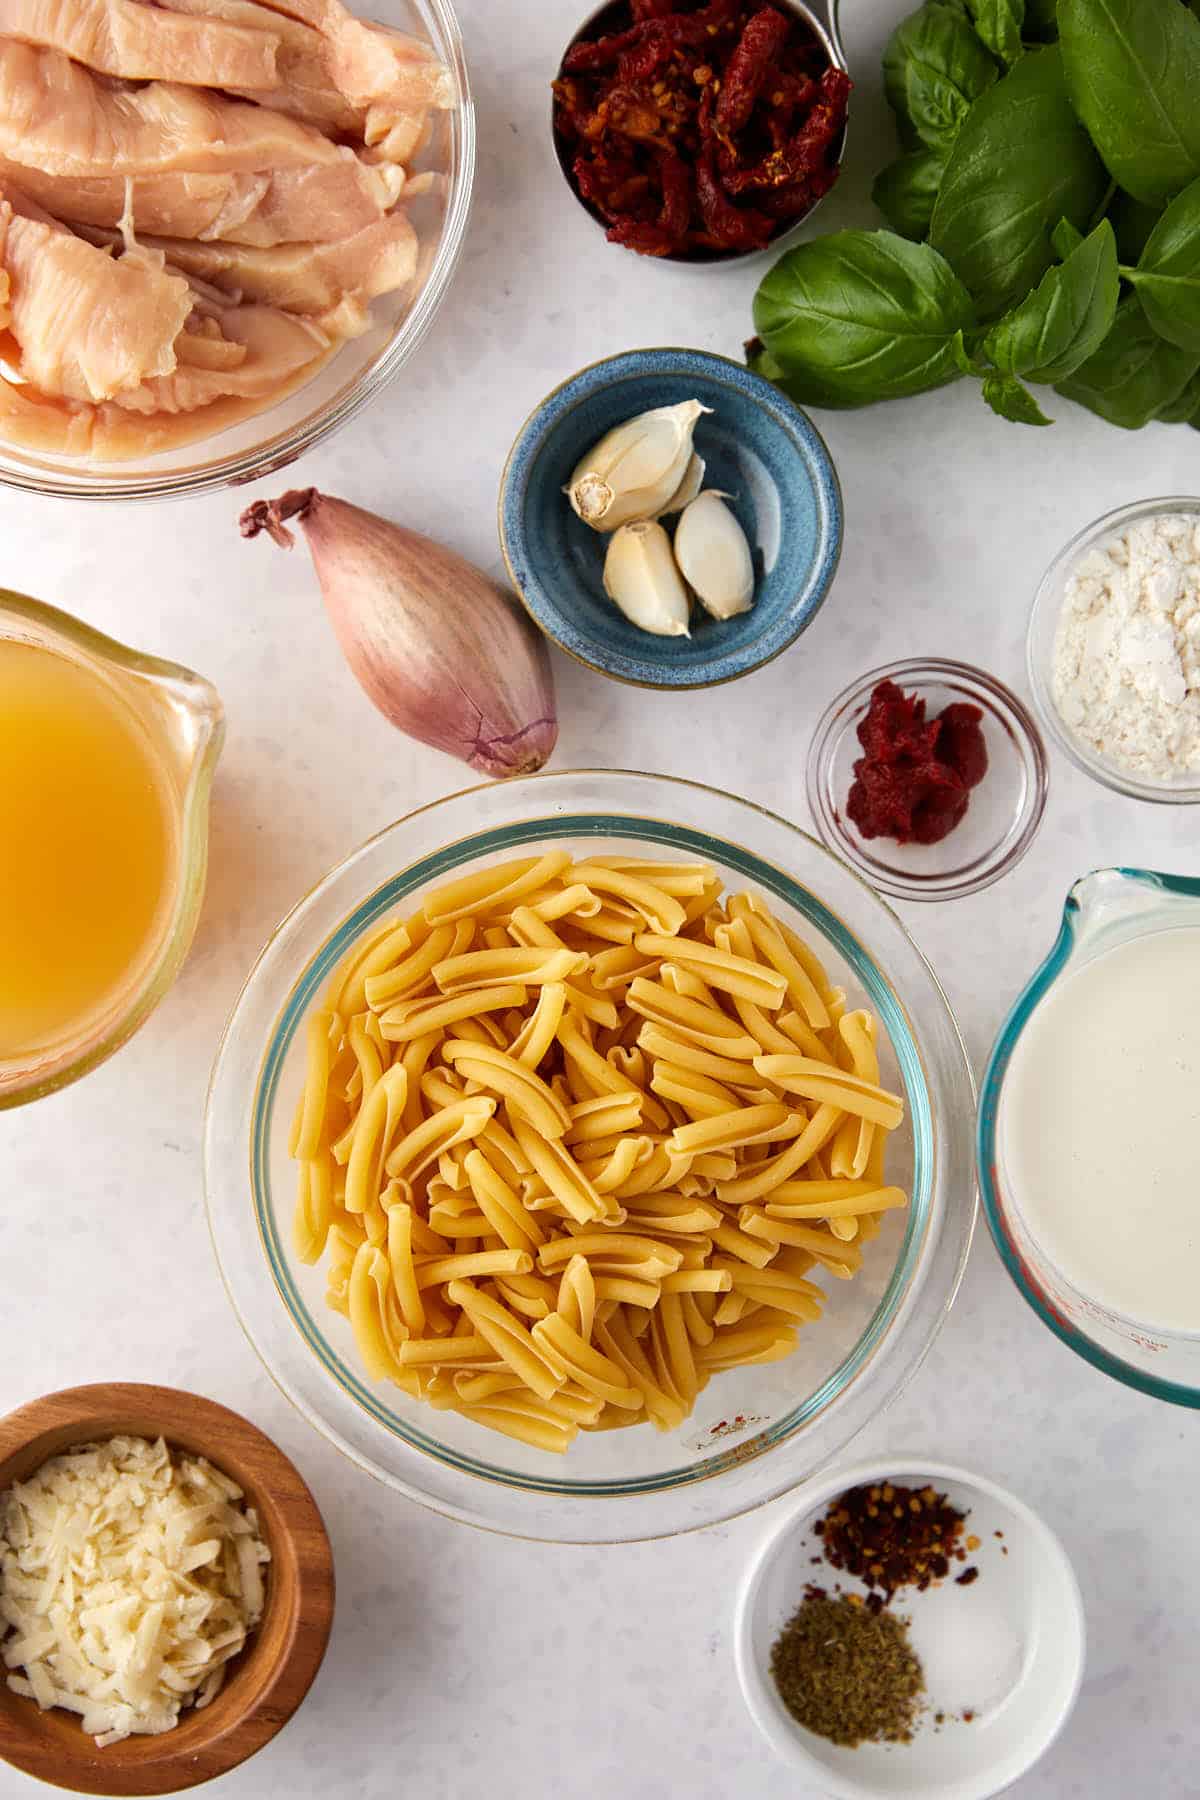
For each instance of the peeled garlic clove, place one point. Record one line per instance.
(641, 577)
(636, 468)
(714, 557)
(688, 488)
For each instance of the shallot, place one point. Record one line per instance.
(439, 648)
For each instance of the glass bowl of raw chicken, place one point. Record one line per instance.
(224, 226)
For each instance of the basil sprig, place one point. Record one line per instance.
(1051, 151)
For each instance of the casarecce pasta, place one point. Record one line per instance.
(575, 1136)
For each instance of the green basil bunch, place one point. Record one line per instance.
(1045, 213)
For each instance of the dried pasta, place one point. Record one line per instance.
(575, 1136)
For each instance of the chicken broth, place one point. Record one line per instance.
(87, 848)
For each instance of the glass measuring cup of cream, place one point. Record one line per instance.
(106, 760)
(1089, 1132)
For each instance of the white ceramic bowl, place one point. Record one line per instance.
(1009, 1648)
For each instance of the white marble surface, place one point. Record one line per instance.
(461, 1663)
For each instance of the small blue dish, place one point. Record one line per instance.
(758, 447)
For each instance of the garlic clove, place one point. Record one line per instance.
(636, 468)
(641, 577)
(688, 488)
(714, 557)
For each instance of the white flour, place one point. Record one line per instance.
(1126, 674)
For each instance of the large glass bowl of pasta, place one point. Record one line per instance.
(277, 278)
(590, 1157)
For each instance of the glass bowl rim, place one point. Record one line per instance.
(917, 1259)
(257, 462)
(999, 698)
(1026, 1003)
(1106, 774)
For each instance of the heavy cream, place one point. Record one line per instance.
(1099, 1128)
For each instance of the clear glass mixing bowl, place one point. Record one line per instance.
(756, 1431)
(275, 437)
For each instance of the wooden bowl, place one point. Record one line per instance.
(267, 1682)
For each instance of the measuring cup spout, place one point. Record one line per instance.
(1116, 903)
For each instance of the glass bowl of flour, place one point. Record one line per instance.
(1114, 650)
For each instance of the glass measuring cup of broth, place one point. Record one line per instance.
(1089, 1132)
(106, 760)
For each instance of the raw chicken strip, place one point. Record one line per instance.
(314, 279)
(140, 43)
(369, 63)
(62, 120)
(277, 348)
(88, 325)
(105, 434)
(285, 206)
(302, 85)
(5, 286)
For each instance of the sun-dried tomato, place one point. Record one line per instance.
(805, 154)
(653, 51)
(784, 97)
(700, 129)
(727, 226)
(748, 68)
(603, 53)
(667, 234)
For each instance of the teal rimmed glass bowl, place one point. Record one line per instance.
(756, 1431)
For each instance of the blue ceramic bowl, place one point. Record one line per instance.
(758, 447)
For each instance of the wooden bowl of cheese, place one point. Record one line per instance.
(214, 1456)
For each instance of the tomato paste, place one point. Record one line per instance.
(914, 779)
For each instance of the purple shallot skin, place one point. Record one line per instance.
(439, 648)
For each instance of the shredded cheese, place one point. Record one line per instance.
(128, 1578)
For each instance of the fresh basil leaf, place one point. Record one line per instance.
(964, 358)
(1041, 21)
(761, 362)
(1133, 72)
(905, 192)
(1066, 318)
(998, 24)
(1133, 222)
(1013, 400)
(1020, 164)
(1185, 408)
(1065, 238)
(1167, 278)
(934, 68)
(861, 316)
(1133, 374)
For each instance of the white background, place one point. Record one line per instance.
(462, 1663)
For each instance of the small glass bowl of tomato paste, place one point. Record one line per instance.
(983, 838)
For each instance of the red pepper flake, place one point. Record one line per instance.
(967, 1577)
(892, 1537)
(700, 129)
(914, 779)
